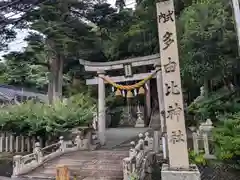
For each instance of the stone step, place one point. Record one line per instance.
(85, 164)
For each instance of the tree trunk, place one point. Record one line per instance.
(50, 87)
(206, 87)
(55, 73)
(60, 76)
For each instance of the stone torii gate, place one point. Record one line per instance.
(100, 69)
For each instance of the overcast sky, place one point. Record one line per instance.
(18, 44)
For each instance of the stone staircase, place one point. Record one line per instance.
(84, 161)
(85, 165)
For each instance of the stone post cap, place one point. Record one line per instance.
(206, 126)
(132, 143)
(209, 122)
(61, 138)
(17, 157)
(140, 135)
(37, 144)
(192, 128)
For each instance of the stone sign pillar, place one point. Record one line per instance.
(173, 98)
(101, 109)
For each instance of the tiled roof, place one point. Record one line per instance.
(10, 92)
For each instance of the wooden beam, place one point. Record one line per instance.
(106, 66)
(120, 78)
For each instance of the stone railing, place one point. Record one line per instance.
(13, 143)
(27, 163)
(141, 158)
(203, 135)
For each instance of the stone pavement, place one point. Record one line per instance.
(117, 136)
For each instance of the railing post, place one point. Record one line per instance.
(37, 150)
(206, 145)
(17, 165)
(78, 142)
(17, 144)
(62, 144)
(22, 144)
(126, 168)
(1, 144)
(6, 144)
(195, 142)
(132, 151)
(11, 143)
(40, 141)
(149, 142)
(28, 144)
(133, 164)
(141, 141)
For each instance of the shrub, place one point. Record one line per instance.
(217, 103)
(39, 119)
(197, 158)
(227, 139)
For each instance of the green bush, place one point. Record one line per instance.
(223, 107)
(38, 119)
(114, 105)
(217, 103)
(227, 139)
(197, 158)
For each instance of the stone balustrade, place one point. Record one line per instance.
(141, 158)
(25, 164)
(12, 143)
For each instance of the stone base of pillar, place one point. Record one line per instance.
(102, 138)
(191, 174)
(140, 122)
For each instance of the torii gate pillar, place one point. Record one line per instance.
(101, 109)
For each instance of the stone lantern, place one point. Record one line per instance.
(206, 127)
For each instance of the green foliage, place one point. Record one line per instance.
(223, 107)
(22, 70)
(217, 103)
(38, 118)
(227, 139)
(197, 158)
(114, 105)
(134, 176)
(206, 31)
